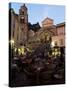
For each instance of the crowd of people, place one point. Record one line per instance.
(39, 67)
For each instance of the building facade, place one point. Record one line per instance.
(57, 32)
(14, 28)
(48, 29)
(19, 26)
(23, 36)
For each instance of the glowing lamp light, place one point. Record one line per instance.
(59, 53)
(12, 42)
(52, 53)
(15, 49)
(56, 53)
(22, 50)
(19, 51)
(52, 44)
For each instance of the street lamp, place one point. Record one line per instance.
(12, 42)
(56, 51)
(21, 50)
(52, 44)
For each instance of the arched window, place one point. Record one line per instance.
(22, 20)
(23, 13)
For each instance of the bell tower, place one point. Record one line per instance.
(23, 23)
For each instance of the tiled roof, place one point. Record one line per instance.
(60, 24)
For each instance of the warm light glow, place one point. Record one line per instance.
(52, 53)
(56, 50)
(19, 51)
(22, 50)
(12, 41)
(52, 44)
(59, 53)
(56, 53)
(15, 49)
